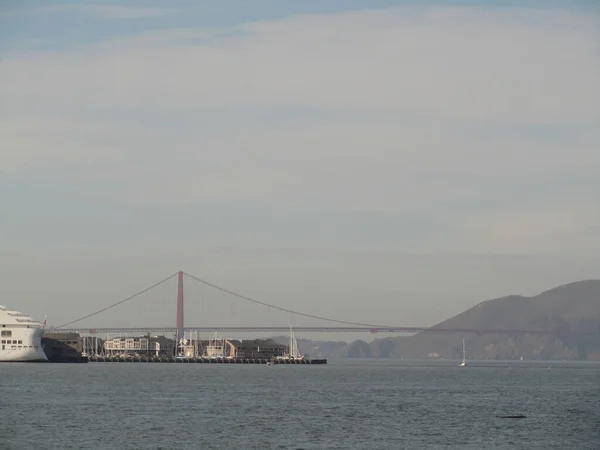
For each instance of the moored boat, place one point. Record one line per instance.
(20, 337)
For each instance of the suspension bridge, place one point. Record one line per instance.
(325, 324)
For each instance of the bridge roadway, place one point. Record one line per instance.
(233, 329)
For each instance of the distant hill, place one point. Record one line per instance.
(571, 312)
(318, 349)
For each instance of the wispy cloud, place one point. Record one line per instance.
(99, 11)
(436, 112)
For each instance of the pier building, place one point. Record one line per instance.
(141, 345)
(259, 348)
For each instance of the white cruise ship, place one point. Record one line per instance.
(20, 337)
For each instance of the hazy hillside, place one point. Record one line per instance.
(571, 308)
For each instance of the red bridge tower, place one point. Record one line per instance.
(180, 304)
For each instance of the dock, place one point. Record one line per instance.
(73, 348)
(200, 360)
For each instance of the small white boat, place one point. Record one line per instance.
(463, 363)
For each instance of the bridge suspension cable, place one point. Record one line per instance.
(119, 302)
(279, 308)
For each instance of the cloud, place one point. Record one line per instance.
(437, 112)
(526, 68)
(108, 12)
(556, 230)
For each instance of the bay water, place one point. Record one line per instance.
(346, 404)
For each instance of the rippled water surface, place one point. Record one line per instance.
(343, 405)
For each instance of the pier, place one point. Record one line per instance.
(175, 360)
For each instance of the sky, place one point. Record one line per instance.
(386, 162)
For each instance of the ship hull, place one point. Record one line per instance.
(21, 344)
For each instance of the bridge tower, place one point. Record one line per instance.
(180, 304)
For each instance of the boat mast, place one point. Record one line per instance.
(293, 345)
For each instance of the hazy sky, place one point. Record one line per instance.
(391, 165)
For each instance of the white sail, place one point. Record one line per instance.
(464, 358)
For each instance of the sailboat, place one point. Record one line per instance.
(216, 348)
(294, 352)
(463, 363)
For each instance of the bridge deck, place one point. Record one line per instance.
(234, 329)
